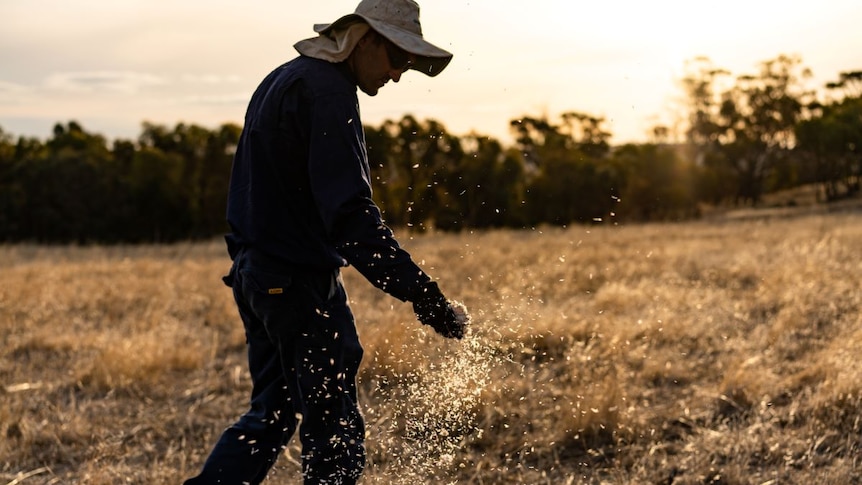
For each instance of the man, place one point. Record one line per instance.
(300, 208)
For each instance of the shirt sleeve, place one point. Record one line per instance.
(340, 181)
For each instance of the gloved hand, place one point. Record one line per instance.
(434, 310)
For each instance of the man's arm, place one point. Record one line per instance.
(340, 179)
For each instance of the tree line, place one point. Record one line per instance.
(744, 137)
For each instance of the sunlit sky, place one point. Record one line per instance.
(111, 65)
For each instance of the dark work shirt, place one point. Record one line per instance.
(300, 188)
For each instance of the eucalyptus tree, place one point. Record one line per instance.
(485, 187)
(744, 134)
(413, 160)
(569, 175)
(831, 139)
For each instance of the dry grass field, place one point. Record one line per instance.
(696, 353)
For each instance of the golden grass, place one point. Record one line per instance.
(710, 352)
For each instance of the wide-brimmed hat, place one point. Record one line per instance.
(398, 21)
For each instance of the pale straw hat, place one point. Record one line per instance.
(397, 20)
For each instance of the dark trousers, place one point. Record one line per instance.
(303, 355)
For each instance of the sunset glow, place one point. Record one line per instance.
(113, 65)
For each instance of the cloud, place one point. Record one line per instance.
(211, 79)
(216, 99)
(13, 93)
(124, 82)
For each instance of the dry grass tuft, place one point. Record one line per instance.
(693, 353)
(145, 361)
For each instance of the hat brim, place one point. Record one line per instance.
(430, 59)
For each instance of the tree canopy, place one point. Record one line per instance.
(746, 136)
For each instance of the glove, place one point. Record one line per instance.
(434, 310)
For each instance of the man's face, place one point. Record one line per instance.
(376, 60)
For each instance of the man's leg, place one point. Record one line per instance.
(326, 358)
(247, 450)
(308, 321)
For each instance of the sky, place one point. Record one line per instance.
(113, 64)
